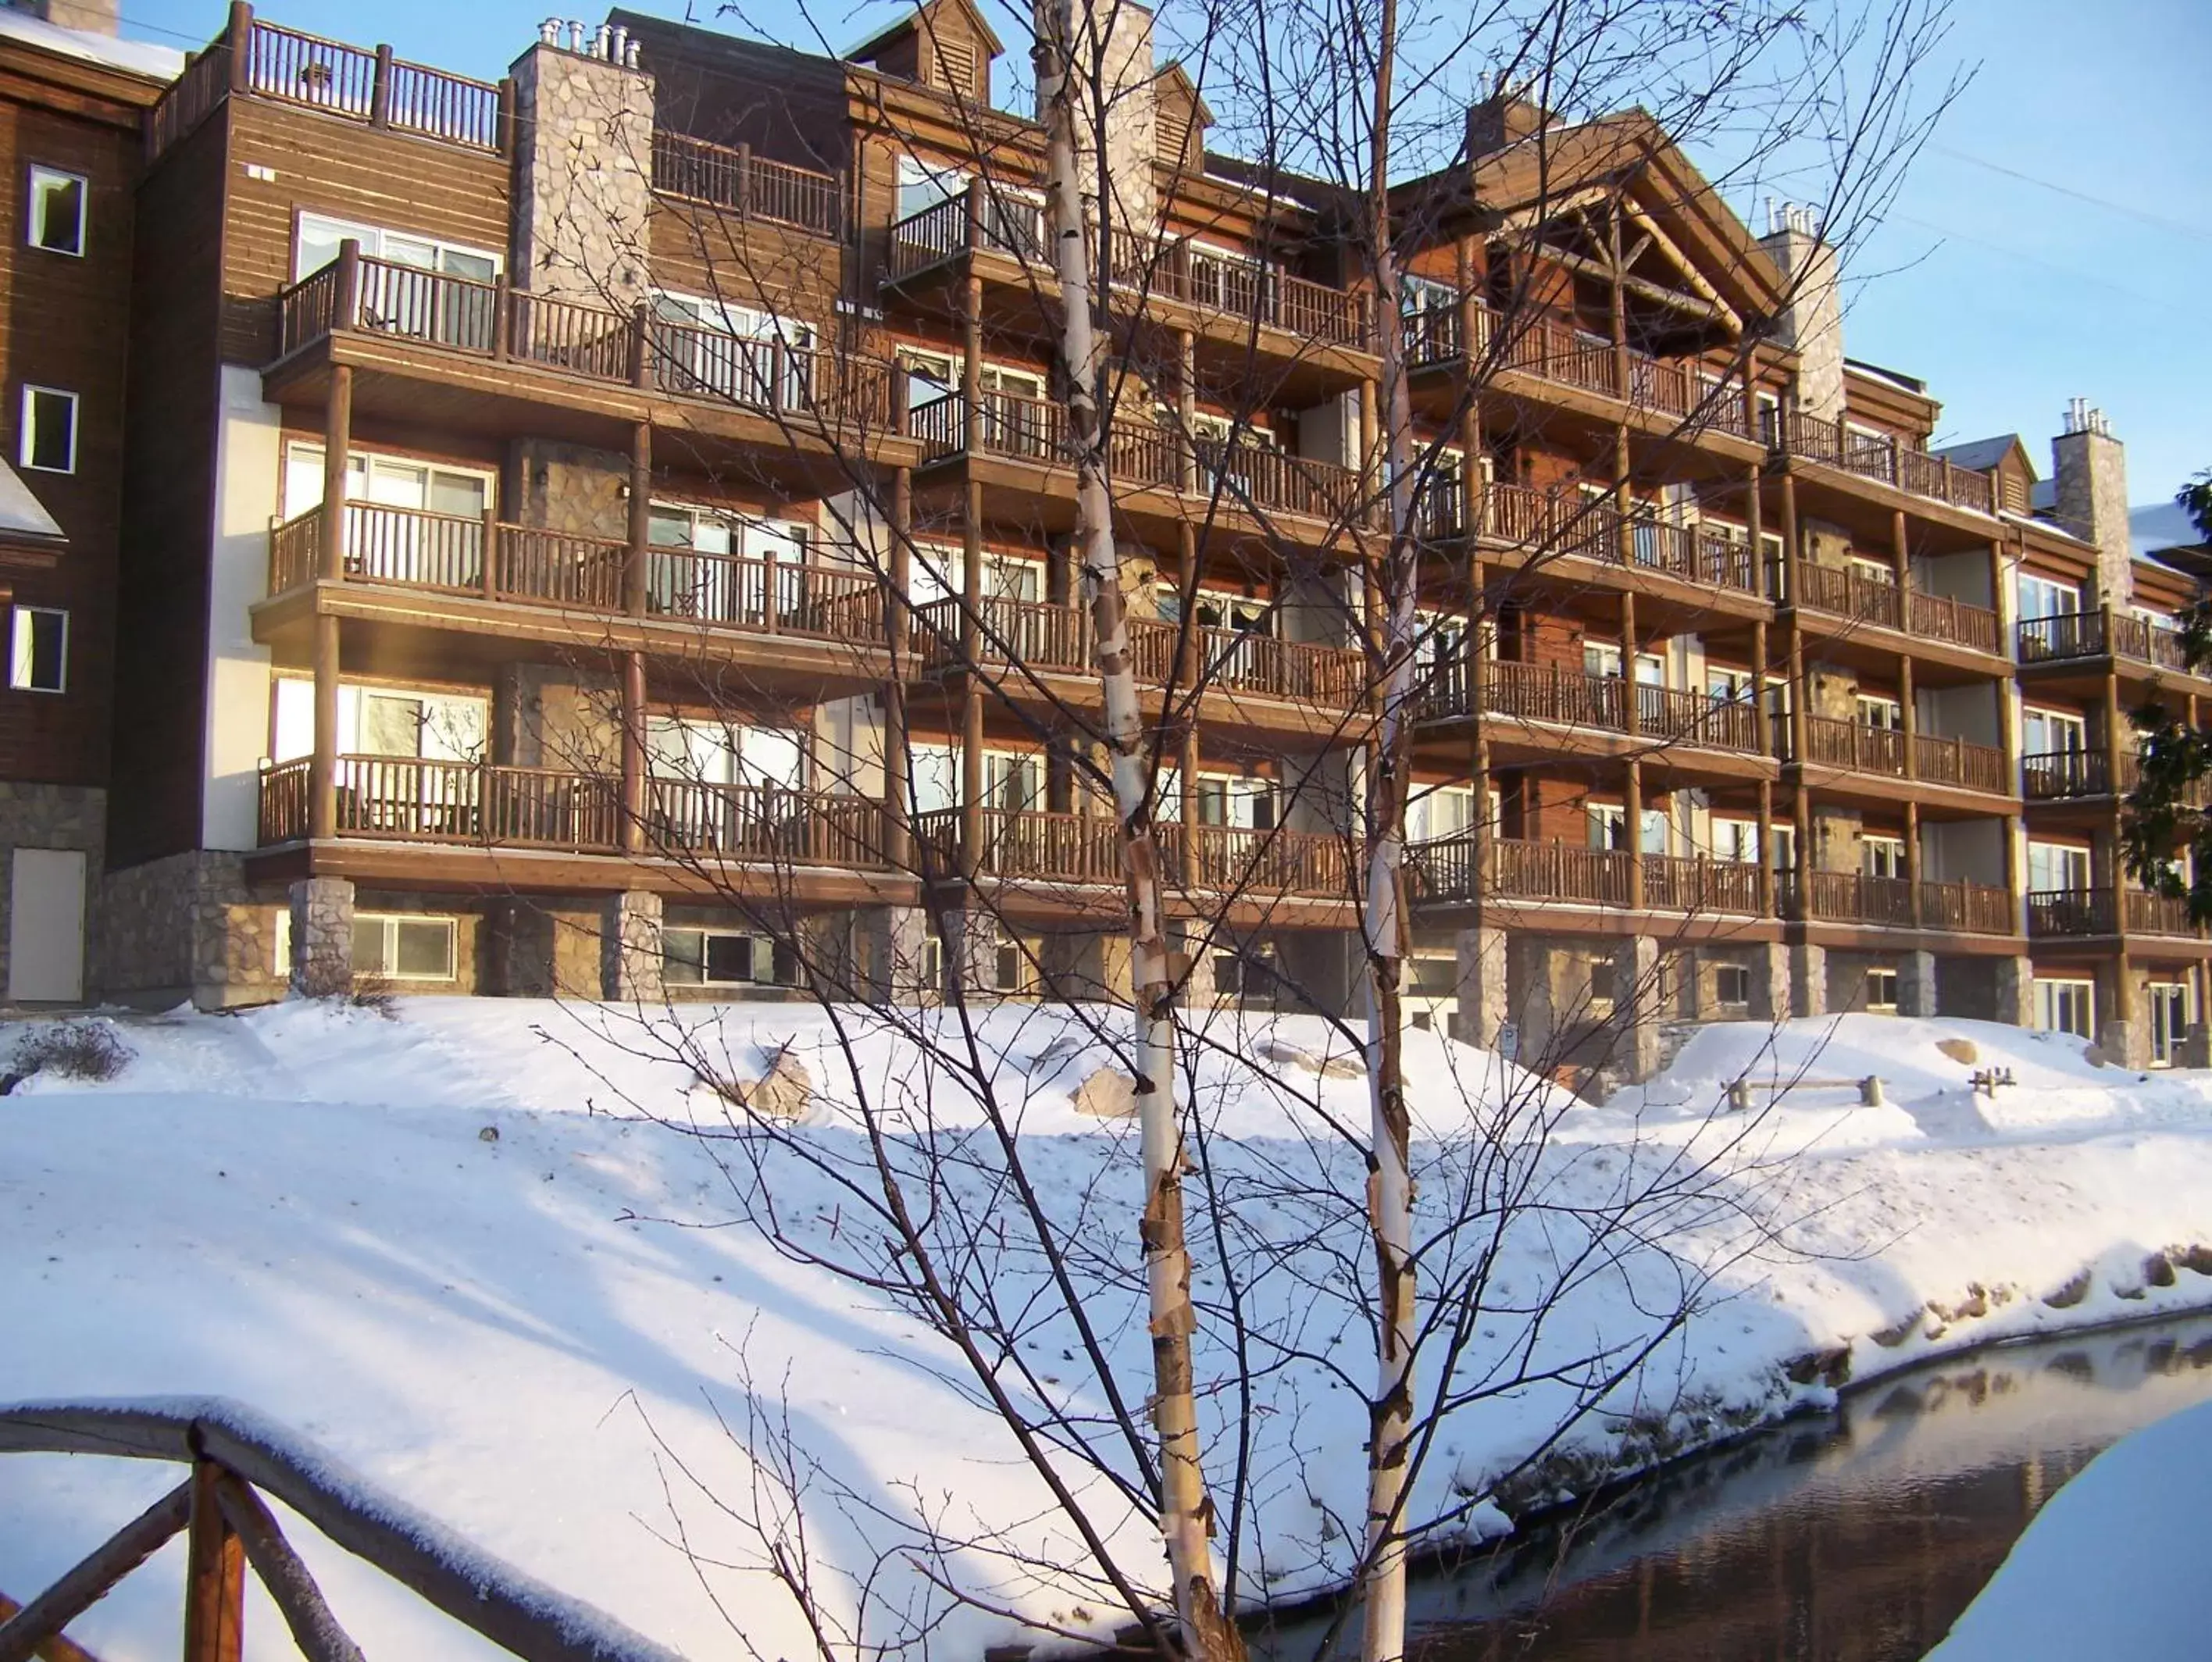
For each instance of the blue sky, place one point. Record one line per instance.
(2051, 242)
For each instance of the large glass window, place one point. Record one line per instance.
(38, 649)
(2056, 867)
(47, 440)
(2169, 1020)
(397, 947)
(2045, 596)
(2066, 1006)
(57, 211)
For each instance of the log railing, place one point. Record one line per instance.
(764, 825)
(190, 99)
(2158, 914)
(1079, 848)
(1856, 897)
(752, 187)
(2057, 775)
(1569, 698)
(2099, 633)
(1887, 461)
(1008, 226)
(1962, 763)
(1030, 845)
(1833, 742)
(1542, 523)
(1241, 290)
(1697, 884)
(778, 376)
(2070, 911)
(444, 554)
(235, 1462)
(285, 802)
(1960, 623)
(1560, 871)
(1850, 593)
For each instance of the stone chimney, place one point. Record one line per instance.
(1504, 117)
(1124, 57)
(92, 16)
(2092, 481)
(1811, 319)
(584, 187)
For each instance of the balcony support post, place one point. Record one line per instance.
(1792, 554)
(337, 446)
(1797, 687)
(1187, 765)
(1633, 813)
(1754, 530)
(1909, 715)
(640, 526)
(1901, 561)
(240, 38)
(1487, 828)
(2015, 872)
(379, 95)
(971, 678)
(214, 1575)
(1912, 866)
(1631, 711)
(898, 631)
(1187, 412)
(487, 556)
(634, 805)
(323, 767)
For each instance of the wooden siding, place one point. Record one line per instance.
(325, 166)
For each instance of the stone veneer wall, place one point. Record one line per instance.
(583, 190)
(188, 927)
(66, 817)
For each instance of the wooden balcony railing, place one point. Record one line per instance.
(752, 187)
(234, 1461)
(1241, 290)
(424, 799)
(1855, 897)
(1443, 870)
(1940, 617)
(445, 553)
(1962, 763)
(778, 377)
(1087, 849)
(1542, 692)
(1850, 593)
(2070, 911)
(2158, 914)
(1832, 741)
(1544, 523)
(2058, 775)
(352, 83)
(1697, 884)
(1560, 871)
(1885, 460)
(2101, 634)
(1026, 429)
(1008, 226)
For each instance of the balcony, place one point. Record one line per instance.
(437, 554)
(419, 800)
(1552, 350)
(1544, 523)
(1445, 870)
(1846, 593)
(1214, 287)
(1856, 748)
(1885, 461)
(1855, 897)
(1085, 850)
(2070, 637)
(1043, 636)
(370, 88)
(2066, 776)
(2079, 914)
(465, 319)
(1012, 427)
(1541, 692)
(752, 188)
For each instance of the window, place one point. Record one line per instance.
(1881, 857)
(1248, 804)
(1245, 974)
(2049, 732)
(1608, 824)
(1736, 841)
(321, 237)
(2065, 1006)
(1883, 714)
(723, 957)
(713, 589)
(922, 187)
(2055, 867)
(381, 721)
(1769, 406)
(38, 650)
(2169, 1020)
(713, 346)
(2045, 596)
(930, 376)
(58, 211)
(1602, 659)
(49, 433)
(1731, 983)
(1439, 810)
(401, 948)
(1881, 992)
(1874, 571)
(1727, 686)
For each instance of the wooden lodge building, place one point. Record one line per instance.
(462, 546)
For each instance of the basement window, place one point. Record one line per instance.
(57, 211)
(404, 949)
(38, 649)
(48, 437)
(1881, 992)
(1731, 984)
(723, 957)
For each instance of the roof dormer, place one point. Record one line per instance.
(1181, 119)
(945, 43)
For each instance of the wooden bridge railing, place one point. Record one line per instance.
(234, 1457)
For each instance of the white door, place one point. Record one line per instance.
(46, 925)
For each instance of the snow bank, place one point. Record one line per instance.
(475, 1253)
(2113, 1566)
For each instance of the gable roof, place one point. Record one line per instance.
(1983, 454)
(24, 522)
(909, 17)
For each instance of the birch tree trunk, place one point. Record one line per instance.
(1185, 1513)
(1390, 1183)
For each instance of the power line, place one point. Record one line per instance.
(1951, 234)
(2180, 227)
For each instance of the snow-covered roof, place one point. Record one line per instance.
(1896, 377)
(22, 515)
(1980, 454)
(132, 56)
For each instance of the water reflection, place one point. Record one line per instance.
(1857, 1537)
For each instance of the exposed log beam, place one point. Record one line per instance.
(81, 1587)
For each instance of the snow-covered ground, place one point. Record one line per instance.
(2112, 1567)
(463, 1252)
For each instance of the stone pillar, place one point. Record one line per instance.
(1480, 985)
(1770, 983)
(1636, 1007)
(2124, 1043)
(629, 949)
(971, 952)
(2196, 1047)
(1916, 984)
(893, 944)
(1809, 979)
(2016, 992)
(583, 188)
(322, 937)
